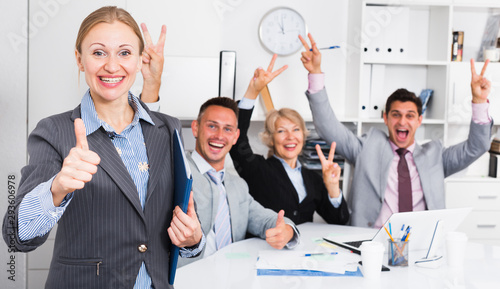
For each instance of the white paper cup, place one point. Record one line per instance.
(456, 244)
(372, 254)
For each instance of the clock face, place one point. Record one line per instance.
(279, 31)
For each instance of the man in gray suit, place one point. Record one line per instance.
(216, 131)
(376, 187)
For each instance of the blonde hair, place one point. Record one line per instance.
(107, 14)
(270, 125)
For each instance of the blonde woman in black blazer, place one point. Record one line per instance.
(267, 178)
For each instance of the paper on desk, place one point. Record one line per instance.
(296, 260)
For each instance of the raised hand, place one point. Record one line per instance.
(311, 59)
(262, 77)
(152, 64)
(331, 171)
(480, 86)
(78, 167)
(185, 228)
(281, 234)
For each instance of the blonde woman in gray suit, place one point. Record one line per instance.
(104, 173)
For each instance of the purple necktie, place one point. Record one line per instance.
(404, 183)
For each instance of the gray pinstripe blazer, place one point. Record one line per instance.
(98, 236)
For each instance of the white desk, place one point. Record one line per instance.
(234, 267)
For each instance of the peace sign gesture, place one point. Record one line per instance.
(310, 59)
(331, 171)
(480, 86)
(152, 64)
(262, 77)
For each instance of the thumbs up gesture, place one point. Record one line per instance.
(281, 234)
(78, 167)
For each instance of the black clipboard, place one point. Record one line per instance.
(183, 181)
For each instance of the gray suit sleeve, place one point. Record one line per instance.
(261, 219)
(330, 128)
(460, 156)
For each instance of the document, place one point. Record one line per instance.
(183, 181)
(304, 263)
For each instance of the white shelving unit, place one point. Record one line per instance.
(399, 46)
(407, 44)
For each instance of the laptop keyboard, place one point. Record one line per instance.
(355, 243)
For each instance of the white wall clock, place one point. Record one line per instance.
(279, 31)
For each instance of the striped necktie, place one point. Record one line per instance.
(222, 226)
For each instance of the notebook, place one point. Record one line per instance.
(422, 223)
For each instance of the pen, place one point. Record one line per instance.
(390, 231)
(320, 254)
(407, 237)
(406, 233)
(325, 48)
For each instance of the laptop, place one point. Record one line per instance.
(422, 223)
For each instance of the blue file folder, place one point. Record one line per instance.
(183, 180)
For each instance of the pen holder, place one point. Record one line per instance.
(398, 253)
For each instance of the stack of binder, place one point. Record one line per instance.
(310, 158)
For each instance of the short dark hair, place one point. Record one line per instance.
(220, 101)
(403, 95)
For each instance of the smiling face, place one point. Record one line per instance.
(110, 57)
(215, 133)
(288, 140)
(402, 122)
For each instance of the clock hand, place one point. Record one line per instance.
(282, 25)
(282, 30)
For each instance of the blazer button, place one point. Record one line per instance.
(142, 248)
(295, 213)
